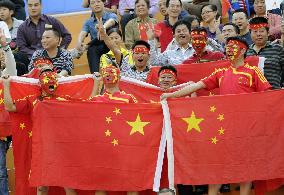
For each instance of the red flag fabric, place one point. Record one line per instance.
(195, 72)
(109, 146)
(228, 139)
(226, 6)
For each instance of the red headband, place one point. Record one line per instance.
(169, 72)
(140, 50)
(257, 26)
(42, 61)
(196, 33)
(240, 44)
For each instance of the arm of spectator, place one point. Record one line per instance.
(22, 43)
(110, 23)
(97, 79)
(81, 39)
(65, 34)
(67, 66)
(10, 63)
(184, 91)
(129, 35)
(110, 44)
(85, 3)
(274, 21)
(156, 57)
(8, 102)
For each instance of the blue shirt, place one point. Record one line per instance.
(90, 24)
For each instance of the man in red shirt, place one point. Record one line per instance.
(199, 42)
(239, 78)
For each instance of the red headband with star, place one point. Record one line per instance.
(257, 26)
(168, 72)
(140, 50)
(198, 33)
(42, 61)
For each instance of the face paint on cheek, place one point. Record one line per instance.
(110, 75)
(233, 52)
(49, 82)
(198, 44)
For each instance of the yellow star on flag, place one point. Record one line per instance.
(117, 111)
(137, 125)
(221, 117)
(114, 142)
(22, 126)
(211, 94)
(212, 108)
(108, 133)
(1, 101)
(108, 119)
(193, 122)
(221, 131)
(30, 134)
(214, 140)
(1, 90)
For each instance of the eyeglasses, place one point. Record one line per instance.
(206, 12)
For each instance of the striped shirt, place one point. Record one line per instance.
(274, 62)
(129, 70)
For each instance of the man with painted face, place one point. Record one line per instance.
(201, 54)
(250, 79)
(111, 76)
(48, 83)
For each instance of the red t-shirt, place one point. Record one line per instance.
(117, 97)
(244, 79)
(207, 56)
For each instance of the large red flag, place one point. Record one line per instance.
(108, 146)
(227, 139)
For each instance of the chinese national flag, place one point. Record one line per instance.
(228, 139)
(111, 147)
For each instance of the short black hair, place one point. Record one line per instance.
(182, 22)
(199, 29)
(168, 67)
(238, 38)
(146, 1)
(241, 11)
(259, 20)
(55, 31)
(112, 30)
(40, 1)
(237, 29)
(212, 6)
(7, 4)
(45, 70)
(168, 3)
(141, 42)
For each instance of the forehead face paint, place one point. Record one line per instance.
(233, 49)
(140, 49)
(110, 74)
(199, 43)
(48, 82)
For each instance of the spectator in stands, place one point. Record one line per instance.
(178, 53)
(126, 7)
(162, 7)
(201, 54)
(20, 12)
(61, 58)
(96, 47)
(167, 77)
(281, 40)
(137, 28)
(140, 54)
(110, 5)
(243, 5)
(211, 20)
(240, 18)
(30, 32)
(165, 27)
(115, 35)
(274, 53)
(7, 10)
(194, 7)
(8, 67)
(229, 30)
(274, 20)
